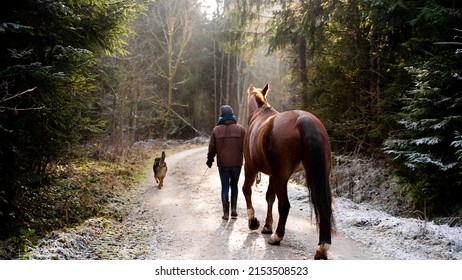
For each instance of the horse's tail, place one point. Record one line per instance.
(315, 154)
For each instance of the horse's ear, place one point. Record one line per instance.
(265, 90)
(251, 89)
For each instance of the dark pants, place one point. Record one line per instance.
(229, 177)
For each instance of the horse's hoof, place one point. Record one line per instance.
(274, 239)
(320, 256)
(321, 252)
(274, 242)
(254, 224)
(267, 230)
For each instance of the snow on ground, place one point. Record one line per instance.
(396, 238)
(362, 216)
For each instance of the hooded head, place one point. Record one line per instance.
(227, 115)
(226, 110)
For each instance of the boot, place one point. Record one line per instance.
(225, 210)
(233, 208)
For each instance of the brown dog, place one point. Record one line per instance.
(160, 170)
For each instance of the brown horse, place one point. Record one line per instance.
(279, 144)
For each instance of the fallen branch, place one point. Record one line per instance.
(185, 121)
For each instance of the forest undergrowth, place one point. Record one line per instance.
(375, 182)
(94, 183)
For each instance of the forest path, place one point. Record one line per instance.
(182, 221)
(187, 213)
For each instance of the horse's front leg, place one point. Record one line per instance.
(270, 197)
(247, 190)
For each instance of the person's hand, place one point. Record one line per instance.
(209, 163)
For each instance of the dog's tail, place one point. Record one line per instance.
(162, 159)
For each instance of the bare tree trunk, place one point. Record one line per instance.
(215, 66)
(176, 32)
(374, 64)
(221, 80)
(242, 97)
(303, 85)
(228, 78)
(239, 76)
(120, 126)
(215, 78)
(114, 120)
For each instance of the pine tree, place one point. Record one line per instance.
(430, 146)
(49, 51)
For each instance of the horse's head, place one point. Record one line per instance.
(257, 95)
(256, 99)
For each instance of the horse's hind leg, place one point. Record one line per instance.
(247, 190)
(280, 188)
(324, 235)
(270, 197)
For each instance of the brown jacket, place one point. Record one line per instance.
(227, 142)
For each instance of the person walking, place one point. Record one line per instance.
(227, 143)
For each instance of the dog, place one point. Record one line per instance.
(160, 170)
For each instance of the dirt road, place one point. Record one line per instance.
(183, 221)
(188, 225)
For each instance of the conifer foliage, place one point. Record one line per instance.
(49, 51)
(429, 144)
